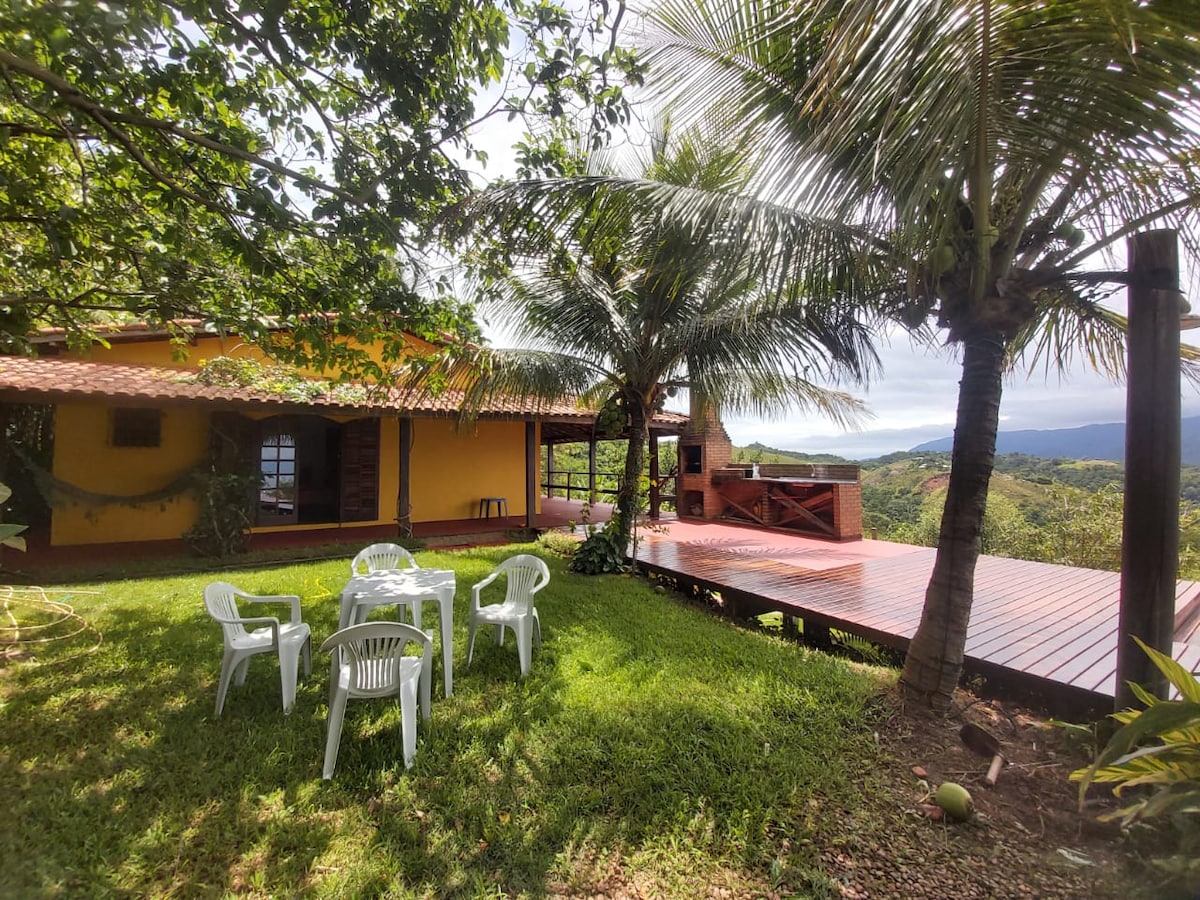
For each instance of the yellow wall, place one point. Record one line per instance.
(452, 470)
(84, 456)
(158, 352)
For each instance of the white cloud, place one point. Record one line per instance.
(915, 401)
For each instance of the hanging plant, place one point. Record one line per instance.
(9, 534)
(226, 493)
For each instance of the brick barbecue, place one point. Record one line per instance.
(814, 499)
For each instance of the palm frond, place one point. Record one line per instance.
(776, 395)
(1069, 324)
(782, 249)
(866, 111)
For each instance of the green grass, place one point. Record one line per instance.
(651, 744)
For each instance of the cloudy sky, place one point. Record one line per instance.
(914, 401)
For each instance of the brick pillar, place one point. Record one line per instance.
(716, 451)
(847, 512)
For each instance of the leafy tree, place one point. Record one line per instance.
(984, 151)
(1006, 530)
(1083, 528)
(233, 160)
(655, 307)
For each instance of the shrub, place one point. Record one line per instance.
(9, 533)
(559, 543)
(1154, 761)
(601, 552)
(225, 515)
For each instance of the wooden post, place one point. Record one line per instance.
(655, 502)
(5, 415)
(549, 470)
(791, 627)
(1150, 539)
(531, 474)
(817, 636)
(404, 493)
(4, 439)
(592, 471)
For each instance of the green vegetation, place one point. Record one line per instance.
(617, 750)
(229, 161)
(9, 533)
(1153, 759)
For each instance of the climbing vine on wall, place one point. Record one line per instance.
(225, 493)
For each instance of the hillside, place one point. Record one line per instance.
(1087, 442)
(894, 486)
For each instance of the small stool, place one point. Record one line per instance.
(485, 507)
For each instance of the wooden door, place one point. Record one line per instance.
(359, 498)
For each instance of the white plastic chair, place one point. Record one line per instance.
(526, 576)
(369, 662)
(286, 639)
(380, 558)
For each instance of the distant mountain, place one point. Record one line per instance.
(1087, 442)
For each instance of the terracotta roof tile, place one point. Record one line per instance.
(50, 379)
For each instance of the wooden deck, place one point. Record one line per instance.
(1053, 626)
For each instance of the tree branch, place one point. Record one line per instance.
(71, 95)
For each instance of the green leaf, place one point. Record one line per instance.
(1179, 677)
(1162, 719)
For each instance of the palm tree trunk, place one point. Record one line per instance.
(635, 459)
(934, 661)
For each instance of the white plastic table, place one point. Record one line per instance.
(410, 587)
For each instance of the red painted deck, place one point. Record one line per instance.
(1053, 623)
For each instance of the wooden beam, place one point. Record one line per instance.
(742, 509)
(531, 474)
(655, 498)
(1150, 539)
(404, 492)
(800, 512)
(592, 496)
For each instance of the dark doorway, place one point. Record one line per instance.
(300, 461)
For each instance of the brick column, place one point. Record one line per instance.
(716, 451)
(847, 512)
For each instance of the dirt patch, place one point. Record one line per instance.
(936, 483)
(1027, 838)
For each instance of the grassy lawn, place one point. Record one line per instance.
(651, 746)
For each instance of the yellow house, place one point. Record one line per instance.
(130, 422)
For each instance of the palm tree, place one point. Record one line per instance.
(986, 151)
(623, 307)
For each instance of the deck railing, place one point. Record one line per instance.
(572, 485)
(577, 484)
